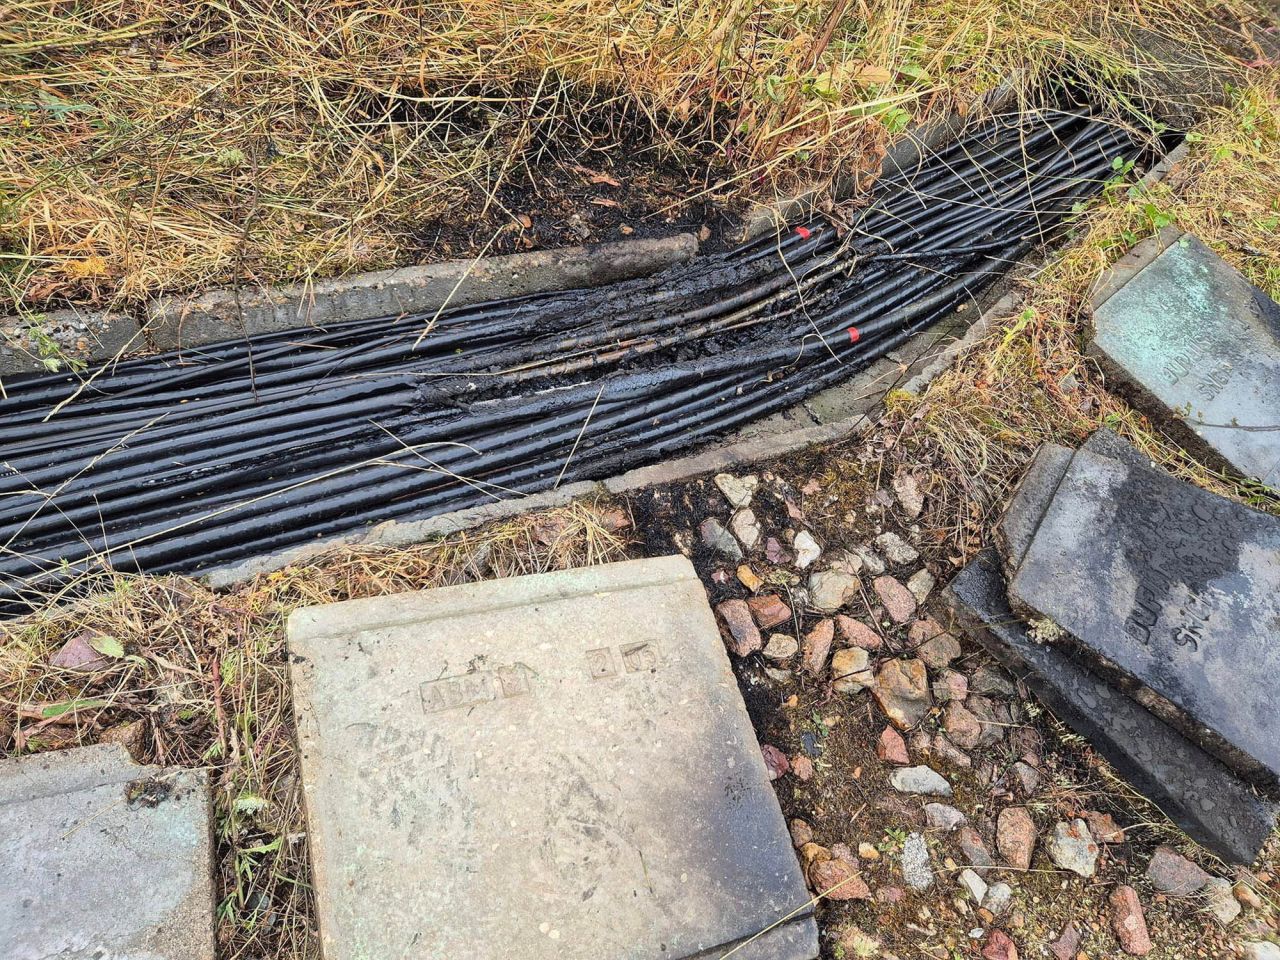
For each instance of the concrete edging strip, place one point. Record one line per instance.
(176, 323)
(83, 335)
(179, 322)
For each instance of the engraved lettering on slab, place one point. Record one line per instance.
(600, 663)
(639, 657)
(1170, 540)
(481, 686)
(514, 681)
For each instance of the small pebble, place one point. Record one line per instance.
(895, 549)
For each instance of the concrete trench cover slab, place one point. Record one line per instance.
(1017, 527)
(1199, 347)
(556, 765)
(1215, 807)
(1172, 592)
(104, 859)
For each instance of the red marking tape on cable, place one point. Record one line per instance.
(854, 335)
(804, 232)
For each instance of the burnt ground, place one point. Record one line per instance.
(580, 193)
(843, 499)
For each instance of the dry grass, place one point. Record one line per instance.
(149, 146)
(201, 681)
(1029, 382)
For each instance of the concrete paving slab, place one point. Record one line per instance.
(1031, 498)
(104, 859)
(1198, 348)
(1198, 793)
(1171, 591)
(1108, 443)
(857, 396)
(556, 765)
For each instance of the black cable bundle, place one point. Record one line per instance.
(254, 445)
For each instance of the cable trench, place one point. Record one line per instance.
(185, 463)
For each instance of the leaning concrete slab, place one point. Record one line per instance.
(1017, 527)
(1214, 807)
(1170, 590)
(78, 335)
(177, 323)
(104, 858)
(1198, 348)
(556, 765)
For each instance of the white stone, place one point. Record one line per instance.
(974, 885)
(715, 536)
(939, 816)
(916, 869)
(921, 584)
(807, 549)
(850, 670)
(746, 528)
(829, 590)
(872, 562)
(895, 549)
(780, 647)
(1220, 900)
(998, 898)
(920, 779)
(737, 490)
(1071, 846)
(910, 498)
(846, 561)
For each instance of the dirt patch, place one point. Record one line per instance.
(630, 191)
(843, 495)
(150, 792)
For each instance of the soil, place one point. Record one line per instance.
(150, 792)
(849, 801)
(579, 194)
